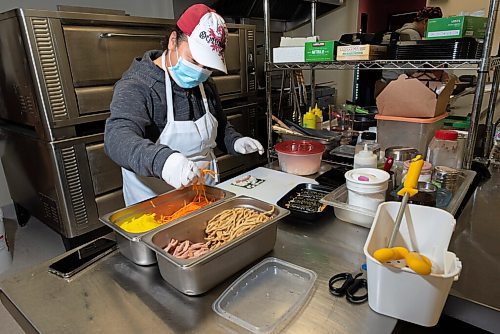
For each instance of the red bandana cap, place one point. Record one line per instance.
(207, 35)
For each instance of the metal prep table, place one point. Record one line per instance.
(475, 297)
(115, 295)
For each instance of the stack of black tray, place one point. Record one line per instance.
(439, 49)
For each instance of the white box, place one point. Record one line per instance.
(400, 292)
(289, 54)
(297, 41)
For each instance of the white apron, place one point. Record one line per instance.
(194, 139)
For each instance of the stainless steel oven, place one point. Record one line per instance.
(240, 60)
(57, 71)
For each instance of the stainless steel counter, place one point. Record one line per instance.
(475, 297)
(115, 295)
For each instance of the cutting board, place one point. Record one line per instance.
(275, 186)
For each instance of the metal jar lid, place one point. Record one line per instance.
(401, 153)
(446, 172)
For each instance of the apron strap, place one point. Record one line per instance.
(168, 90)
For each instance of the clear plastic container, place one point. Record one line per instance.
(410, 132)
(346, 212)
(264, 298)
(444, 149)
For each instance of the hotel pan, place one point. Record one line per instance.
(166, 204)
(196, 276)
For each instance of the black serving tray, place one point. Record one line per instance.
(297, 214)
(333, 178)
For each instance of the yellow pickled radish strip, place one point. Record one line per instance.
(141, 224)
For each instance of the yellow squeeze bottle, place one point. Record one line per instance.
(309, 120)
(319, 117)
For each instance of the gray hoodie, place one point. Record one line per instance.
(139, 115)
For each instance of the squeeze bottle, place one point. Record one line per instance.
(365, 158)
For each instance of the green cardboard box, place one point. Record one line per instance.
(456, 27)
(320, 51)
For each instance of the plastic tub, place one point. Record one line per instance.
(405, 131)
(400, 292)
(366, 187)
(264, 298)
(300, 157)
(348, 213)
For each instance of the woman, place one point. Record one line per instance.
(167, 129)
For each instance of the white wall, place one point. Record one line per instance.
(151, 8)
(330, 27)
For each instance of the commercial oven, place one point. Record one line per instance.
(57, 71)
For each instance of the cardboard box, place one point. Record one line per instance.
(456, 27)
(291, 54)
(320, 51)
(361, 52)
(410, 97)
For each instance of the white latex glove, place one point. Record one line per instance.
(248, 145)
(179, 171)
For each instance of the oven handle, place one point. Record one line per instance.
(230, 117)
(113, 34)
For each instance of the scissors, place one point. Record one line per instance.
(350, 285)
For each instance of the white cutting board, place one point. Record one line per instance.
(275, 186)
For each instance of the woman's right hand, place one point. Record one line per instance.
(179, 171)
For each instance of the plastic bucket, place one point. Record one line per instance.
(366, 187)
(400, 292)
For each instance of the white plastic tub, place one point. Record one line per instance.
(366, 187)
(400, 292)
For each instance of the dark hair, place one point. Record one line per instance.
(181, 36)
(429, 13)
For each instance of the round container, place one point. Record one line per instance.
(425, 173)
(443, 149)
(401, 153)
(446, 177)
(300, 157)
(366, 187)
(427, 194)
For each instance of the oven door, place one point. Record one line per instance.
(109, 51)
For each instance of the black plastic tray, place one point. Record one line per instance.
(296, 214)
(333, 178)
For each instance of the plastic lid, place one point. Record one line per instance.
(446, 134)
(300, 147)
(367, 135)
(267, 296)
(367, 176)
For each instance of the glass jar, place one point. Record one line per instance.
(443, 149)
(425, 173)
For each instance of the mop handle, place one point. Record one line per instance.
(409, 190)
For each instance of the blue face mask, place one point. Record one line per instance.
(187, 74)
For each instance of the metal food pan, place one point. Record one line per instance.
(196, 276)
(166, 204)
